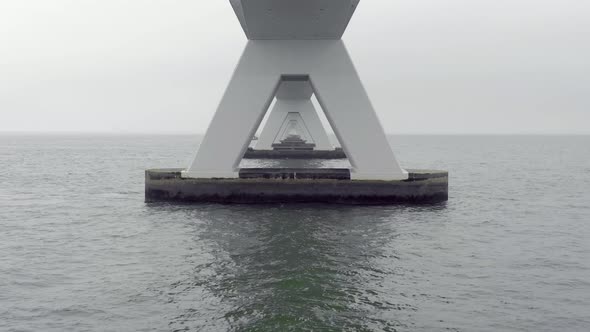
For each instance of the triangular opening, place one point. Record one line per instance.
(295, 126)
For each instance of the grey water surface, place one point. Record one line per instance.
(81, 251)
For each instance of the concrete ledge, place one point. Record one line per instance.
(423, 187)
(295, 154)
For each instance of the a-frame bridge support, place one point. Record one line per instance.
(264, 65)
(294, 97)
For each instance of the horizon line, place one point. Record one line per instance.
(182, 133)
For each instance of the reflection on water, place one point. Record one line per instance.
(307, 267)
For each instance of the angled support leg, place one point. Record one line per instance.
(314, 125)
(271, 129)
(240, 112)
(348, 108)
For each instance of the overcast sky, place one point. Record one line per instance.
(429, 66)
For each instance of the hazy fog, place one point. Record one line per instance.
(430, 66)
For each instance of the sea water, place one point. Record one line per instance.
(81, 251)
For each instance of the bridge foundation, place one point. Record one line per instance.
(296, 186)
(294, 50)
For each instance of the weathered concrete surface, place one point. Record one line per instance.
(423, 187)
(295, 173)
(313, 154)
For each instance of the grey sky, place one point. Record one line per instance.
(430, 66)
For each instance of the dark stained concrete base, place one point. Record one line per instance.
(295, 154)
(423, 187)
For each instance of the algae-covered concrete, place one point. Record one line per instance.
(422, 187)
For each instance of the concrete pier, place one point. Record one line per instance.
(297, 186)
